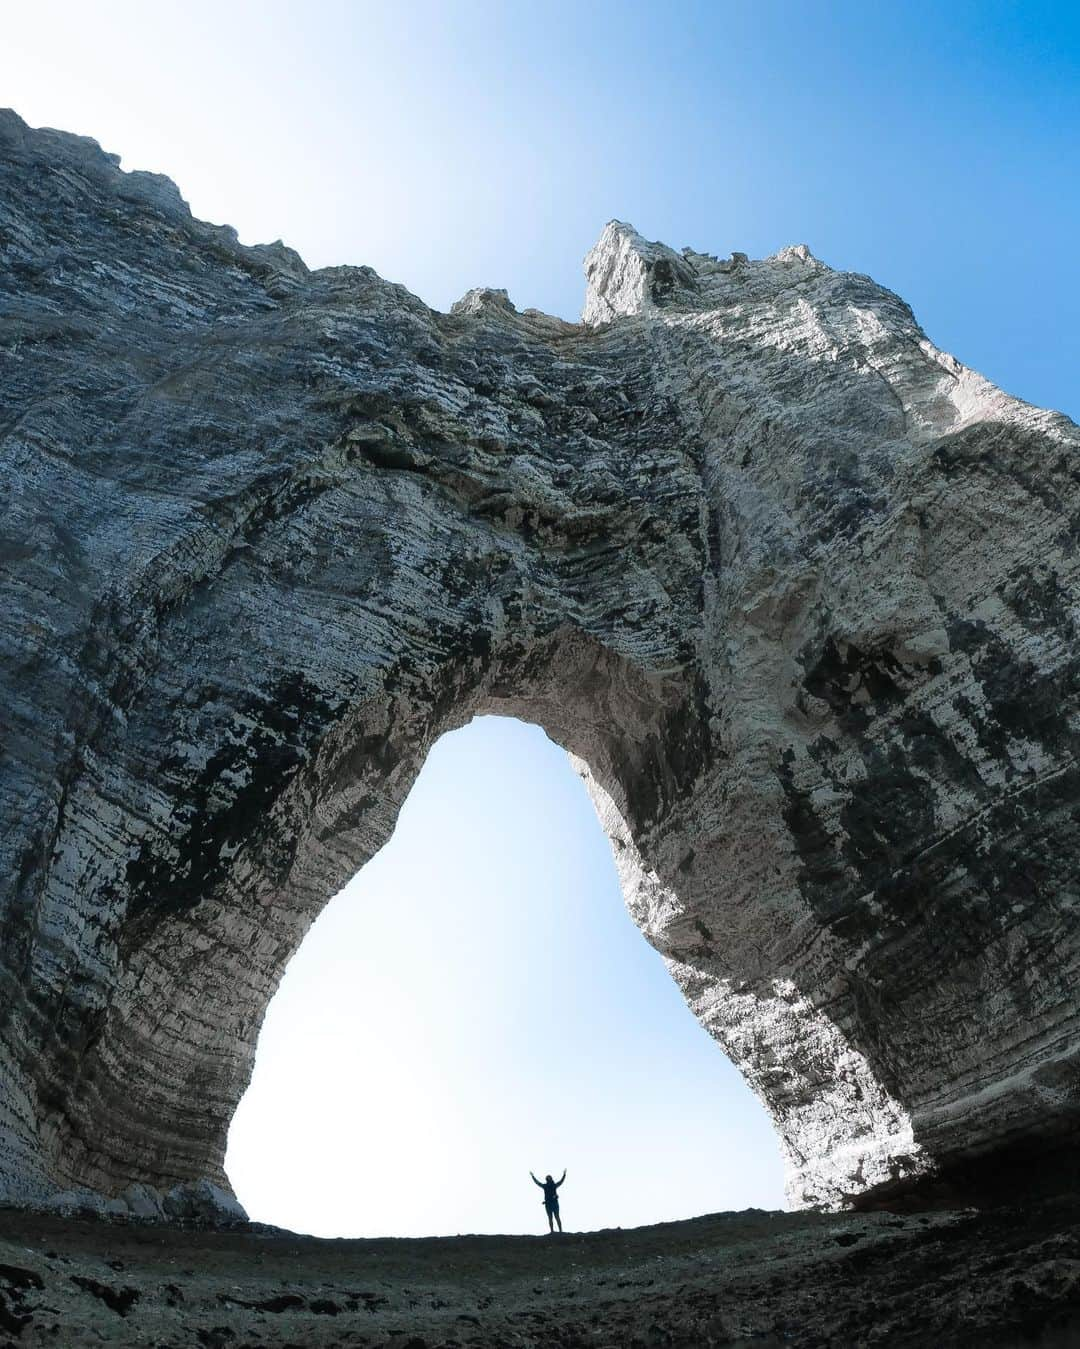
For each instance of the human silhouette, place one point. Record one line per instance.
(551, 1198)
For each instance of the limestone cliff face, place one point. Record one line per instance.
(797, 589)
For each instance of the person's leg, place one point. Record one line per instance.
(551, 1220)
(557, 1218)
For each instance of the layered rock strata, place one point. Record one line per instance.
(796, 589)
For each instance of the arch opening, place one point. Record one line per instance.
(294, 792)
(476, 1002)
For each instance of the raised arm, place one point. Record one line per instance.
(561, 1178)
(536, 1182)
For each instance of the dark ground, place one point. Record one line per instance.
(1008, 1276)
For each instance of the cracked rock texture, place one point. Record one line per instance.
(1003, 1279)
(796, 589)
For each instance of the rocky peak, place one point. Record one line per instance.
(626, 274)
(482, 299)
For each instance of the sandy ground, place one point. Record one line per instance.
(1005, 1277)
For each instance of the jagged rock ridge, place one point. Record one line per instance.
(795, 588)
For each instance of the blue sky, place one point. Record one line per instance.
(477, 1003)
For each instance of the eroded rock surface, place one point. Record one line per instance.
(1003, 1279)
(797, 589)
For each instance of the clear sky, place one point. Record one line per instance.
(477, 1003)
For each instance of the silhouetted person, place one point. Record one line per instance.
(551, 1198)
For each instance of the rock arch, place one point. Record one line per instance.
(796, 588)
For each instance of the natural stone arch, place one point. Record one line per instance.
(797, 588)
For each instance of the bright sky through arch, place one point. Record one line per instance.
(478, 1003)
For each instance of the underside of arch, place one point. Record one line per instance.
(796, 589)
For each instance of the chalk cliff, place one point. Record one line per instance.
(796, 589)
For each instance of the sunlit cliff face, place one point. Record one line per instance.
(793, 586)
